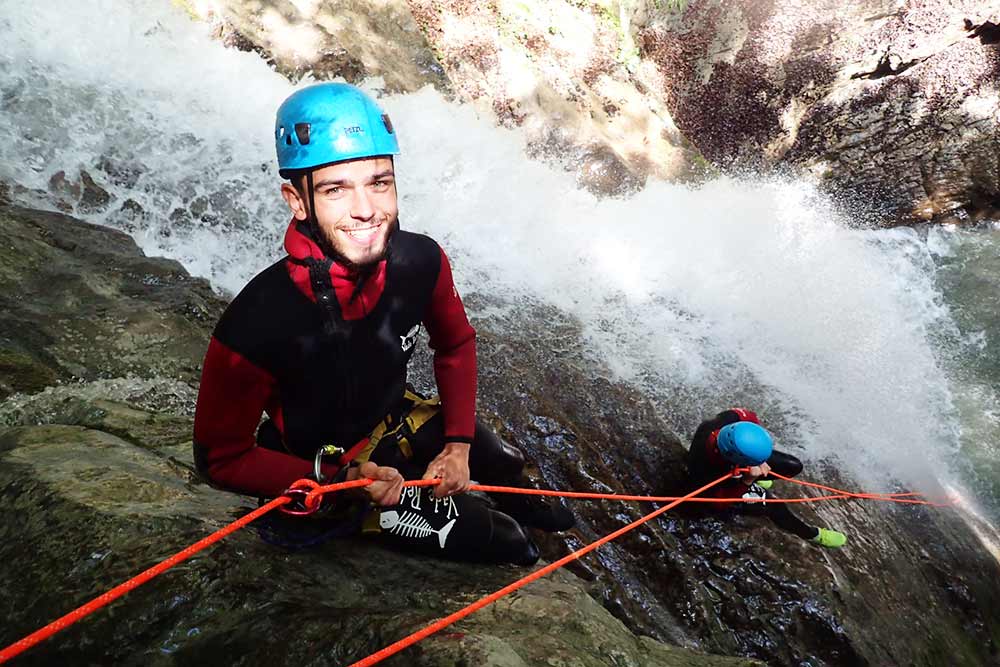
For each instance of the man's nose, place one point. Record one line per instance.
(361, 205)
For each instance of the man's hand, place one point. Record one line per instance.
(755, 473)
(452, 466)
(386, 489)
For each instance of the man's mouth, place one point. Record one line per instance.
(363, 235)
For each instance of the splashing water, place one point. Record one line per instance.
(742, 291)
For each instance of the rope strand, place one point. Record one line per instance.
(538, 574)
(311, 500)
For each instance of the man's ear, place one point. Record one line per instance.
(294, 201)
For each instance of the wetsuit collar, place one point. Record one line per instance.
(299, 245)
(303, 251)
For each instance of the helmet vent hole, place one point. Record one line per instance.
(302, 133)
(288, 139)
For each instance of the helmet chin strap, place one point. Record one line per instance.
(312, 221)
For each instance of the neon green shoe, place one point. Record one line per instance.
(765, 483)
(831, 539)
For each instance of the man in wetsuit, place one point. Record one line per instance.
(735, 438)
(321, 339)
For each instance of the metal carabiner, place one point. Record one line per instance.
(299, 496)
(325, 450)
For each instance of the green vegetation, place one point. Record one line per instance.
(671, 5)
(613, 11)
(188, 9)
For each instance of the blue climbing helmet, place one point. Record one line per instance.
(327, 123)
(745, 443)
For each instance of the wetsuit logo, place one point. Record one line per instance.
(410, 338)
(415, 524)
(410, 524)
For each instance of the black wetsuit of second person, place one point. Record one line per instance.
(705, 464)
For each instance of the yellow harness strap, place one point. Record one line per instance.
(420, 412)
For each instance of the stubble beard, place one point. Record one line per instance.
(331, 248)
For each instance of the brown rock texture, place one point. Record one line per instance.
(324, 39)
(566, 72)
(893, 102)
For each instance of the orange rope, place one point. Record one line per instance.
(652, 499)
(311, 500)
(69, 619)
(538, 574)
(888, 497)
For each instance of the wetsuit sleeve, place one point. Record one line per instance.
(231, 400)
(454, 343)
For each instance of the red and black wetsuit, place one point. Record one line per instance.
(704, 461)
(325, 356)
(706, 464)
(327, 360)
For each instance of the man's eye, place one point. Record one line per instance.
(381, 185)
(331, 191)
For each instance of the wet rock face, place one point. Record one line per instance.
(94, 509)
(81, 302)
(726, 583)
(894, 102)
(111, 505)
(100, 478)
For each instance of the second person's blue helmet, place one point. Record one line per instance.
(327, 123)
(745, 443)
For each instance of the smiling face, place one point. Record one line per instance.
(355, 208)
